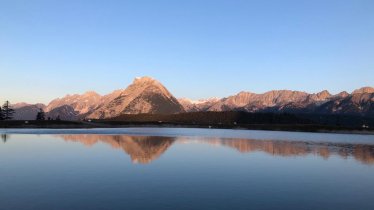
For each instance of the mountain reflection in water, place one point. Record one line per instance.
(142, 149)
(145, 149)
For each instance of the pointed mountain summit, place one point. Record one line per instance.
(144, 95)
(323, 95)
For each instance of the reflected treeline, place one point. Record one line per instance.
(141, 149)
(4, 137)
(146, 149)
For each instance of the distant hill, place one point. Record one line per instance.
(26, 111)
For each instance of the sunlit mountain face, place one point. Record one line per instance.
(145, 149)
(147, 95)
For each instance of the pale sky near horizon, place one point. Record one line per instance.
(196, 48)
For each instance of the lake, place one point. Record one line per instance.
(184, 168)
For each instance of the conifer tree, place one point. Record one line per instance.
(7, 111)
(1, 114)
(40, 115)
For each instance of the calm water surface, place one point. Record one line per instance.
(154, 168)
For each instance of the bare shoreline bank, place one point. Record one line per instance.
(17, 124)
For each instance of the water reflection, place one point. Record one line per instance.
(145, 149)
(4, 137)
(362, 153)
(142, 149)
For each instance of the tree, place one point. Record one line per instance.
(8, 112)
(1, 114)
(40, 115)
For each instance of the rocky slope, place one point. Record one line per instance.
(144, 95)
(81, 104)
(360, 102)
(252, 102)
(64, 112)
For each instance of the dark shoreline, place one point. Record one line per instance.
(21, 124)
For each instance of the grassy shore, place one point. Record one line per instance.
(120, 124)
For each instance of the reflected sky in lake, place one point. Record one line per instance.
(197, 171)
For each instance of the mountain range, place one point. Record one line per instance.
(147, 95)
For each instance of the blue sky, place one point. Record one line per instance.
(196, 48)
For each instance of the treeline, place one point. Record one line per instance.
(231, 118)
(40, 116)
(7, 113)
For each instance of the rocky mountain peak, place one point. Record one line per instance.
(91, 93)
(81, 104)
(342, 94)
(323, 95)
(145, 81)
(144, 95)
(364, 90)
(244, 93)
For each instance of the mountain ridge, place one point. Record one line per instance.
(148, 95)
